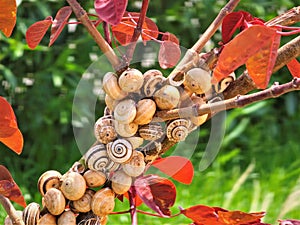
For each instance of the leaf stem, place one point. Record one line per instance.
(11, 211)
(133, 209)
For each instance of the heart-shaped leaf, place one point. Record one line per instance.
(8, 16)
(169, 54)
(177, 167)
(294, 67)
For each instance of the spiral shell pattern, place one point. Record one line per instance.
(120, 150)
(178, 129)
(31, 214)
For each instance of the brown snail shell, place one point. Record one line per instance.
(31, 214)
(125, 111)
(49, 179)
(119, 151)
(94, 178)
(97, 159)
(84, 203)
(131, 80)
(111, 86)
(135, 141)
(198, 81)
(146, 109)
(104, 129)
(177, 130)
(224, 83)
(151, 131)
(136, 165)
(73, 186)
(47, 219)
(153, 79)
(103, 202)
(167, 97)
(67, 218)
(110, 102)
(55, 201)
(120, 182)
(126, 130)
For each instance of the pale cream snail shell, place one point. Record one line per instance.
(151, 131)
(67, 218)
(94, 178)
(126, 130)
(111, 86)
(125, 111)
(153, 80)
(224, 83)
(104, 129)
(54, 201)
(136, 165)
(47, 219)
(49, 179)
(103, 202)
(110, 102)
(135, 141)
(131, 80)
(120, 182)
(167, 97)
(177, 130)
(84, 203)
(146, 109)
(31, 214)
(198, 81)
(73, 186)
(119, 151)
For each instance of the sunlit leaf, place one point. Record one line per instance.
(169, 54)
(8, 187)
(59, 22)
(10, 134)
(202, 214)
(37, 31)
(238, 217)
(177, 167)
(289, 222)
(294, 67)
(111, 11)
(8, 16)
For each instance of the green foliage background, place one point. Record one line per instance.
(40, 85)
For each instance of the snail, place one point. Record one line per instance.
(120, 182)
(198, 81)
(135, 141)
(146, 109)
(104, 129)
(136, 165)
(151, 151)
(111, 86)
(8, 221)
(49, 179)
(94, 178)
(84, 203)
(224, 83)
(110, 102)
(153, 80)
(119, 151)
(47, 219)
(177, 130)
(78, 167)
(103, 202)
(198, 120)
(126, 130)
(31, 214)
(67, 218)
(73, 186)
(167, 97)
(54, 201)
(125, 111)
(131, 80)
(151, 131)
(96, 158)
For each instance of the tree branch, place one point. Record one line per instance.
(11, 211)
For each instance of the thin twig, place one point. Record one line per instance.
(11, 211)
(133, 210)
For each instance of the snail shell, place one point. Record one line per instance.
(84, 203)
(31, 214)
(151, 131)
(198, 81)
(67, 218)
(55, 201)
(224, 83)
(151, 151)
(119, 151)
(104, 129)
(103, 202)
(94, 178)
(47, 219)
(146, 109)
(49, 179)
(198, 120)
(110, 102)
(73, 186)
(167, 97)
(136, 165)
(97, 159)
(131, 80)
(8, 220)
(153, 79)
(135, 141)
(178, 129)
(111, 86)
(126, 130)
(125, 111)
(120, 182)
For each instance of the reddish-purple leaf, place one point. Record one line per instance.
(170, 37)
(110, 11)
(59, 22)
(289, 222)
(8, 16)
(157, 193)
(294, 67)
(177, 167)
(37, 31)
(169, 54)
(230, 24)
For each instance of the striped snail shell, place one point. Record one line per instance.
(111, 86)
(90, 218)
(67, 218)
(47, 219)
(54, 201)
(177, 130)
(103, 202)
(125, 111)
(84, 203)
(126, 130)
(73, 186)
(151, 131)
(97, 159)
(131, 80)
(104, 129)
(151, 151)
(153, 81)
(31, 214)
(49, 179)
(119, 151)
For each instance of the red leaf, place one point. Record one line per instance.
(9, 189)
(8, 16)
(294, 67)
(10, 134)
(170, 37)
(37, 31)
(60, 20)
(111, 11)
(138, 200)
(230, 24)
(202, 214)
(238, 217)
(157, 193)
(289, 222)
(125, 29)
(169, 54)
(179, 168)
